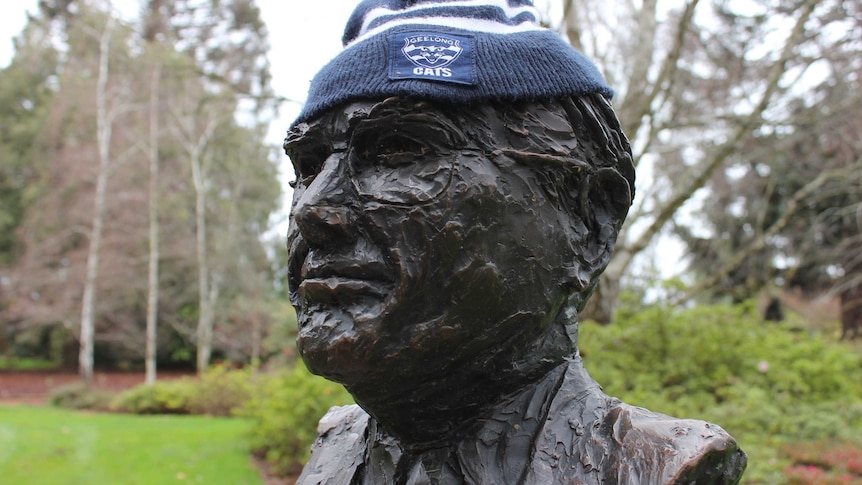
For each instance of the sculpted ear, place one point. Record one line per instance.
(605, 197)
(604, 200)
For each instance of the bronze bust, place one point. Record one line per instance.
(439, 254)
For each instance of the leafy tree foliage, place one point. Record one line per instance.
(25, 95)
(210, 61)
(227, 52)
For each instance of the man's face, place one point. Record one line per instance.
(420, 240)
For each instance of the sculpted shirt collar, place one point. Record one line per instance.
(563, 430)
(497, 449)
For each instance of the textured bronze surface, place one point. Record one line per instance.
(439, 256)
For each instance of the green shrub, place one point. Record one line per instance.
(162, 397)
(217, 392)
(705, 350)
(286, 407)
(78, 396)
(767, 384)
(221, 389)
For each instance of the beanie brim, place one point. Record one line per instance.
(531, 65)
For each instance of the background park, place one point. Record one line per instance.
(145, 332)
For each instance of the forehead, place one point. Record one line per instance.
(331, 128)
(535, 127)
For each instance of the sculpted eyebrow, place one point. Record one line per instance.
(314, 143)
(299, 140)
(430, 124)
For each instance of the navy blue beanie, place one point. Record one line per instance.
(457, 51)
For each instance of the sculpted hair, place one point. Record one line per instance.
(576, 149)
(593, 118)
(570, 168)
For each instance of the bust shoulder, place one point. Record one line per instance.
(593, 438)
(339, 449)
(654, 448)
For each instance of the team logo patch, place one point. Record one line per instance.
(432, 56)
(432, 51)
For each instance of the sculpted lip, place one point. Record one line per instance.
(314, 268)
(332, 290)
(331, 281)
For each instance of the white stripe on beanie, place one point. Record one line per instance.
(452, 21)
(487, 26)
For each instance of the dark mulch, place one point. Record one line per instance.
(34, 387)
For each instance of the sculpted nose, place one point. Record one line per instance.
(322, 213)
(321, 225)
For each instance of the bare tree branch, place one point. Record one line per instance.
(626, 253)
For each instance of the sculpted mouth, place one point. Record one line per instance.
(336, 289)
(343, 281)
(356, 270)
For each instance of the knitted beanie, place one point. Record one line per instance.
(458, 51)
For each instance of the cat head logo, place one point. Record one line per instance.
(431, 50)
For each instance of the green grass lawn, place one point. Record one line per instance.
(46, 446)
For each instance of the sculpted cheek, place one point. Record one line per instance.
(476, 292)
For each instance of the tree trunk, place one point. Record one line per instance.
(851, 312)
(153, 273)
(103, 132)
(256, 337)
(195, 142)
(601, 306)
(572, 21)
(205, 315)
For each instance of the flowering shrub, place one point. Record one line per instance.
(824, 463)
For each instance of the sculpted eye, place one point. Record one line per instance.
(307, 163)
(395, 149)
(403, 159)
(392, 149)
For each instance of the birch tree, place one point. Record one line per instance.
(81, 233)
(195, 124)
(157, 101)
(228, 49)
(103, 139)
(153, 212)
